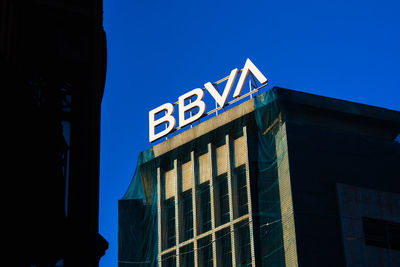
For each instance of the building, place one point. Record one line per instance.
(283, 179)
(53, 67)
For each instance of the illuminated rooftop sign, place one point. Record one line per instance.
(168, 108)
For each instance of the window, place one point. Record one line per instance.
(243, 236)
(205, 252)
(381, 233)
(394, 235)
(224, 249)
(169, 260)
(205, 207)
(239, 176)
(169, 223)
(223, 198)
(187, 213)
(187, 256)
(211, 187)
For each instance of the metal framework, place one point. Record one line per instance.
(246, 220)
(253, 85)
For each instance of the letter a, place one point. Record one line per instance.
(169, 111)
(248, 67)
(197, 103)
(221, 100)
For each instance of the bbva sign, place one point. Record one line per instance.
(168, 108)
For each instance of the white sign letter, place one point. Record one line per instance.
(248, 67)
(221, 100)
(197, 103)
(169, 110)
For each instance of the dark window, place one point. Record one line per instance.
(205, 252)
(205, 207)
(375, 232)
(244, 243)
(224, 249)
(239, 176)
(169, 223)
(381, 233)
(169, 260)
(187, 256)
(394, 235)
(187, 219)
(223, 198)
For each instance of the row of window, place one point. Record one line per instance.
(203, 194)
(223, 249)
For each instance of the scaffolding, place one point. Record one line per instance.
(221, 199)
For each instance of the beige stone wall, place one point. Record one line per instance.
(239, 151)
(285, 193)
(204, 168)
(186, 176)
(221, 160)
(169, 183)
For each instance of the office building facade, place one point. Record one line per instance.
(53, 60)
(284, 179)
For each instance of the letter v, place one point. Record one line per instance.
(221, 99)
(248, 67)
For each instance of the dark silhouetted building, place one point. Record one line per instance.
(53, 69)
(284, 179)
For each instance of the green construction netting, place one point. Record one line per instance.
(272, 217)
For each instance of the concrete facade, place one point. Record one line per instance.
(352, 144)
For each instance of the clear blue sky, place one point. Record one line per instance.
(159, 50)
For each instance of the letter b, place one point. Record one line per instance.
(169, 109)
(197, 103)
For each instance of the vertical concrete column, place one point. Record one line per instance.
(249, 202)
(285, 194)
(194, 207)
(231, 203)
(177, 217)
(159, 218)
(213, 201)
